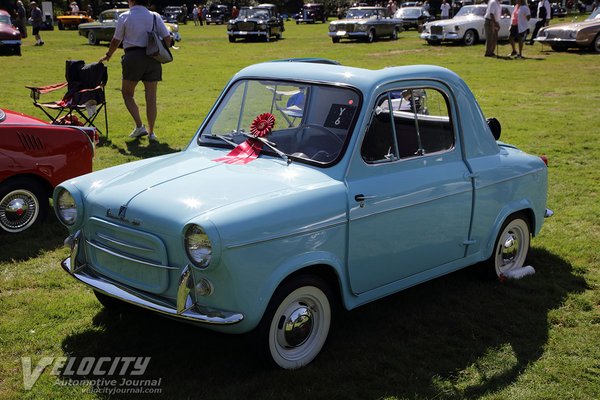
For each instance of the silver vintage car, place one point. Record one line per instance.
(366, 23)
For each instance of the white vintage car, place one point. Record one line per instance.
(467, 26)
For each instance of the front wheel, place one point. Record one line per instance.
(511, 247)
(92, 39)
(231, 39)
(470, 37)
(335, 39)
(61, 27)
(371, 36)
(296, 323)
(596, 44)
(23, 202)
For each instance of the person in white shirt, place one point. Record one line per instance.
(132, 30)
(543, 13)
(74, 8)
(492, 26)
(445, 10)
(519, 26)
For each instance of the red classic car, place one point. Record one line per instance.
(10, 37)
(35, 156)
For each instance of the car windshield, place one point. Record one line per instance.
(254, 13)
(5, 19)
(312, 122)
(360, 14)
(595, 15)
(471, 10)
(408, 13)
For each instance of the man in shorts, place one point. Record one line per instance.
(37, 21)
(132, 30)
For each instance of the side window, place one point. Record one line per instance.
(418, 124)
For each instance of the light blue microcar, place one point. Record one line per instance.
(308, 184)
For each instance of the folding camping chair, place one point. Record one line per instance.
(84, 100)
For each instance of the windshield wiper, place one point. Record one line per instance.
(228, 141)
(270, 145)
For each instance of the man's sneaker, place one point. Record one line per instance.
(152, 137)
(138, 132)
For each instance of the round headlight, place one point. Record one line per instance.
(361, 28)
(332, 28)
(66, 207)
(229, 27)
(262, 26)
(198, 246)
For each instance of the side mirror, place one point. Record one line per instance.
(495, 127)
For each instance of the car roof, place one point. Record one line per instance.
(3, 12)
(364, 79)
(367, 8)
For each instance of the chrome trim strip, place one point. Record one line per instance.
(120, 243)
(196, 313)
(136, 260)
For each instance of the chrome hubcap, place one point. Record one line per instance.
(296, 325)
(17, 210)
(510, 248)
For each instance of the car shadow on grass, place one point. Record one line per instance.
(459, 336)
(46, 235)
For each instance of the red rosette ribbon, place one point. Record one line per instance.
(251, 148)
(262, 125)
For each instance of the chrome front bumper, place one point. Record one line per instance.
(247, 33)
(438, 38)
(186, 308)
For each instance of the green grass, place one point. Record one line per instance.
(460, 336)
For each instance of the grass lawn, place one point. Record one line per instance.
(460, 336)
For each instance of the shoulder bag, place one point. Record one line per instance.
(156, 47)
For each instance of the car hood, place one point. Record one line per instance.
(174, 189)
(351, 21)
(12, 117)
(8, 31)
(257, 20)
(456, 21)
(573, 25)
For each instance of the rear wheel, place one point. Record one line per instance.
(296, 323)
(511, 247)
(23, 202)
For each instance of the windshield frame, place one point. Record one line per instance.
(203, 131)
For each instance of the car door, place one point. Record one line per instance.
(410, 194)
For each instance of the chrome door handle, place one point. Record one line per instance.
(361, 197)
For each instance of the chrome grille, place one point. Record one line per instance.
(131, 257)
(437, 30)
(345, 27)
(245, 26)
